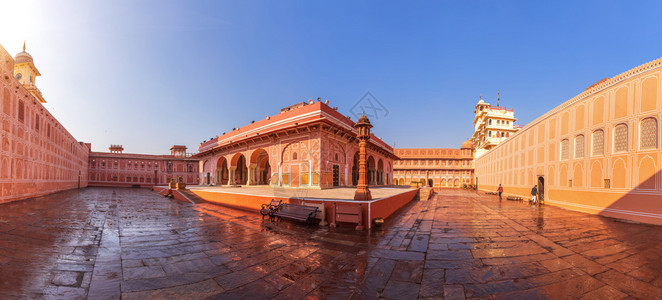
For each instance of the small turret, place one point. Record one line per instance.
(116, 148)
(26, 73)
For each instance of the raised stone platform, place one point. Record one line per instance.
(386, 200)
(340, 193)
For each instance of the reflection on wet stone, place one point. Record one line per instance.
(110, 243)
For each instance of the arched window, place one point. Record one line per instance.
(598, 142)
(620, 138)
(579, 146)
(294, 156)
(490, 121)
(565, 149)
(336, 157)
(489, 133)
(648, 134)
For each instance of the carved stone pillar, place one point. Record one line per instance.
(231, 175)
(250, 180)
(363, 127)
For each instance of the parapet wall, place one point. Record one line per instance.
(38, 156)
(598, 152)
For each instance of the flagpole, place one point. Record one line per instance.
(498, 98)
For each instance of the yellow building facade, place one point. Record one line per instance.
(492, 125)
(434, 167)
(598, 152)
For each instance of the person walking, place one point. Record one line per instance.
(534, 194)
(500, 190)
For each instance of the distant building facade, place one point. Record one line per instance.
(598, 152)
(309, 144)
(435, 167)
(492, 125)
(119, 169)
(38, 156)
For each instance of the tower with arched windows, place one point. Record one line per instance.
(26, 73)
(492, 125)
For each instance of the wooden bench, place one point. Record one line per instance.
(268, 209)
(514, 198)
(297, 212)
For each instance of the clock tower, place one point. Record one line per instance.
(26, 73)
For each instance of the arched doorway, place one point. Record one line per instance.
(355, 169)
(380, 172)
(222, 176)
(371, 171)
(260, 169)
(430, 183)
(541, 189)
(238, 170)
(389, 173)
(205, 171)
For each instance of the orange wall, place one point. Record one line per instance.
(386, 207)
(600, 180)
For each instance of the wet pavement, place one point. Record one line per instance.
(111, 243)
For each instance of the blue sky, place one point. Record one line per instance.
(150, 74)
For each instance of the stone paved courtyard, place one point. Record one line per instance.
(111, 243)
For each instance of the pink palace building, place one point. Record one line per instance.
(38, 156)
(309, 144)
(116, 168)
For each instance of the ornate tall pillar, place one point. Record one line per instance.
(363, 134)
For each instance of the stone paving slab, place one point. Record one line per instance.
(111, 243)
